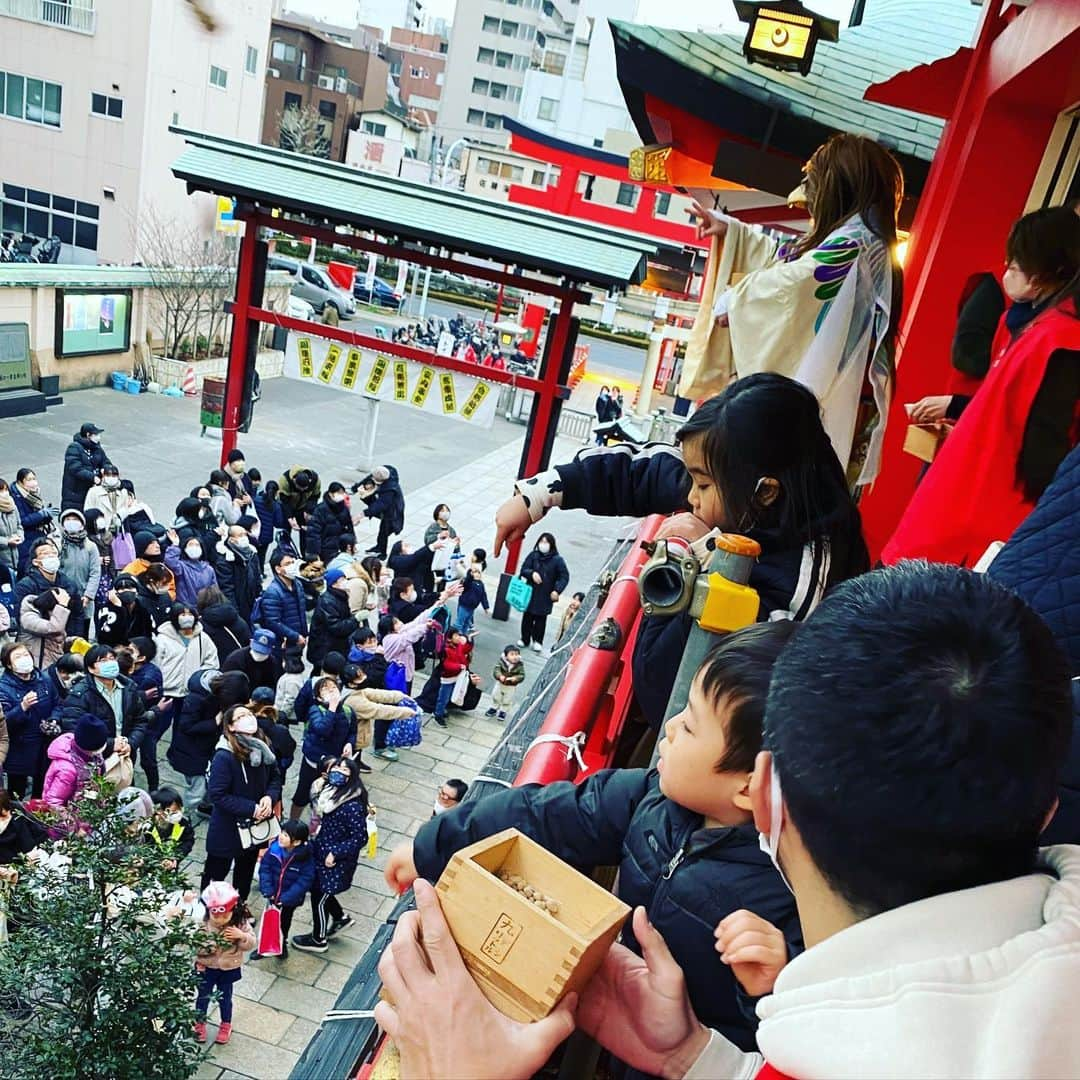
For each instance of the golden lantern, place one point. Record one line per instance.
(784, 33)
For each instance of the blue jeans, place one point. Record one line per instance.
(223, 982)
(442, 702)
(464, 622)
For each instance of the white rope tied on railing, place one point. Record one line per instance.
(573, 744)
(483, 778)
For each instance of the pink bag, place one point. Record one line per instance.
(270, 932)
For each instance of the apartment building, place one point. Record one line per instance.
(493, 44)
(418, 65)
(88, 90)
(308, 70)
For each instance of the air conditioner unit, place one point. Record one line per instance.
(341, 86)
(326, 82)
(273, 73)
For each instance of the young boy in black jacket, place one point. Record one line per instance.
(682, 834)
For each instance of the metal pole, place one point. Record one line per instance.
(423, 295)
(370, 430)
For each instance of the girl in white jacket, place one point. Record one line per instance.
(182, 649)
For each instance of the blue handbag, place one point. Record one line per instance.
(404, 732)
(519, 593)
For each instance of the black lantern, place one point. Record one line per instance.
(784, 33)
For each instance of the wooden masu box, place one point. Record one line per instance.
(524, 959)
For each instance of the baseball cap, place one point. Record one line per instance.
(263, 642)
(90, 429)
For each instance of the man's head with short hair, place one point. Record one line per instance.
(450, 793)
(917, 723)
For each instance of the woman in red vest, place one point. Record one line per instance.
(1023, 419)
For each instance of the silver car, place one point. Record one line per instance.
(313, 284)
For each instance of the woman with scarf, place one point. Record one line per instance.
(244, 785)
(341, 801)
(1025, 417)
(35, 517)
(823, 310)
(113, 500)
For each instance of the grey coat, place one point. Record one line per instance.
(81, 562)
(10, 525)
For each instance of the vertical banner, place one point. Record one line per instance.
(369, 274)
(402, 277)
(389, 378)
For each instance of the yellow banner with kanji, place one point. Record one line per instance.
(391, 378)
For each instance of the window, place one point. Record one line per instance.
(292, 101)
(492, 120)
(106, 105)
(219, 77)
(490, 24)
(663, 204)
(504, 59)
(627, 195)
(512, 172)
(328, 110)
(251, 60)
(36, 100)
(528, 32)
(480, 86)
(547, 108)
(418, 72)
(474, 116)
(372, 128)
(498, 90)
(521, 63)
(28, 210)
(279, 50)
(484, 56)
(538, 178)
(509, 29)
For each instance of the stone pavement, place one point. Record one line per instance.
(156, 442)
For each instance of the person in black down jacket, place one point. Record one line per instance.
(415, 564)
(19, 834)
(104, 693)
(682, 834)
(239, 570)
(332, 622)
(545, 570)
(382, 493)
(83, 461)
(329, 521)
(196, 730)
(341, 802)
(754, 460)
(244, 785)
(222, 623)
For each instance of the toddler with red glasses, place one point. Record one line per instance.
(228, 918)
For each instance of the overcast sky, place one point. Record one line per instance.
(686, 14)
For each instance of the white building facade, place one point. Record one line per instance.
(88, 90)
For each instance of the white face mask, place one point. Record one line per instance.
(438, 807)
(95, 439)
(175, 819)
(72, 526)
(22, 665)
(410, 596)
(292, 571)
(544, 549)
(193, 551)
(771, 844)
(337, 499)
(50, 564)
(186, 622)
(111, 482)
(241, 542)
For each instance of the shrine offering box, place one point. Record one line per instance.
(524, 956)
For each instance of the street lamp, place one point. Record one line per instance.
(783, 33)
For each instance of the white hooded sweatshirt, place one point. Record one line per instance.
(980, 983)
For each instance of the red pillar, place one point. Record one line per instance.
(978, 186)
(238, 344)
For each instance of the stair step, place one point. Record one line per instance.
(21, 403)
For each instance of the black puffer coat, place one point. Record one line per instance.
(687, 877)
(328, 523)
(82, 460)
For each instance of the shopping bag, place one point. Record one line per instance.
(119, 771)
(404, 732)
(270, 932)
(519, 593)
(440, 560)
(461, 686)
(123, 551)
(394, 679)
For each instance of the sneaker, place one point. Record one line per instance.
(199, 1031)
(339, 924)
(386, 753)
(440, 720)
(309, 943)
(521, 643)
(490, 712)
(224, 1032)
(501, 716)
(537, 647)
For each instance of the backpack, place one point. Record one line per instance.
(256, 612)
(434, 642)
(404, 732)
(395, 677)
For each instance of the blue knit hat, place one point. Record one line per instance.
(91, 734)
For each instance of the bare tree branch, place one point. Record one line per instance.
(302, 129)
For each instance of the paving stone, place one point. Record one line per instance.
(259, 1021)
(250, 1057)
(363, 929)
(255, 982)
(298, 1034)
(359, 901)
(301, 967)
(302, 999)
(207, 1070)
(334, 977)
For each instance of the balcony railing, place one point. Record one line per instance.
(77, 15)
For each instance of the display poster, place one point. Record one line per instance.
(90, 322)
